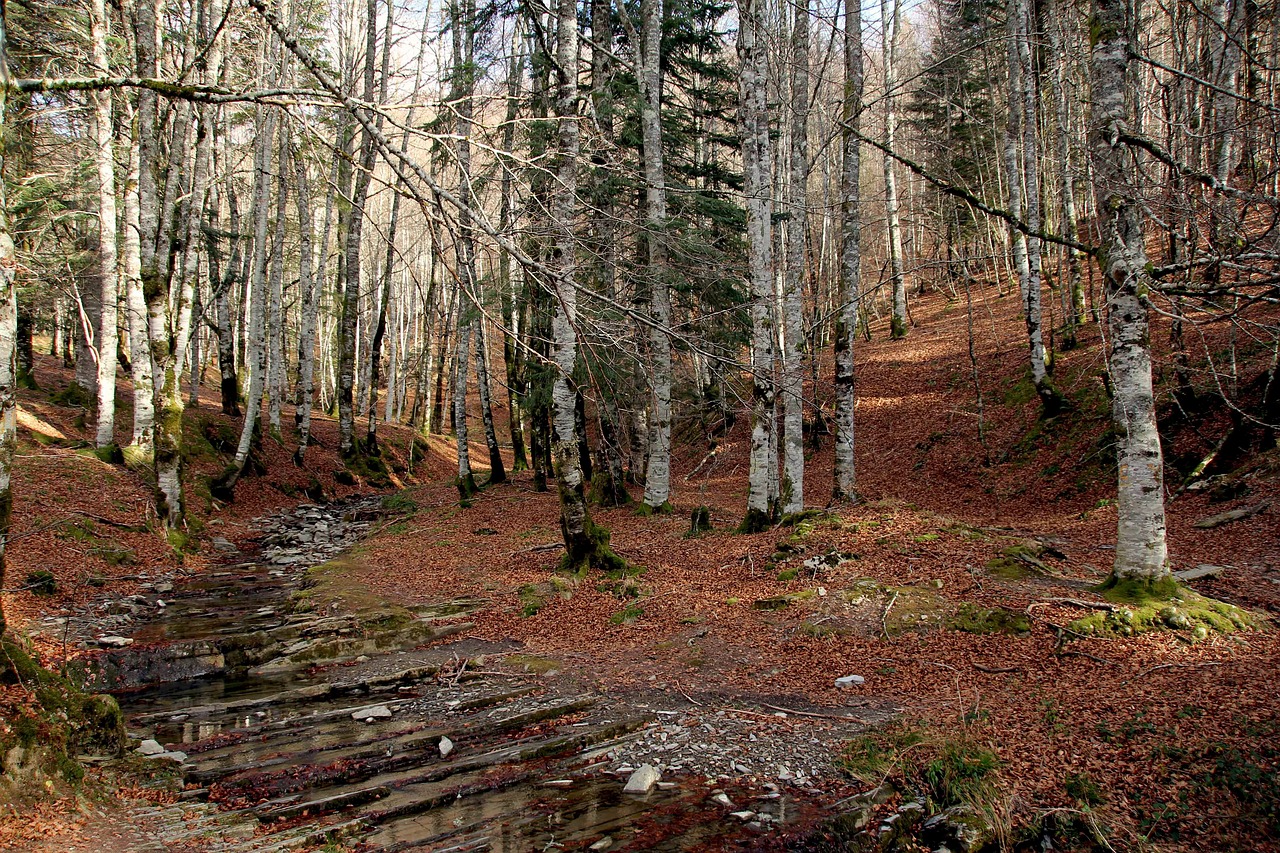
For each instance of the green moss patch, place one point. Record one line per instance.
(1163, 604)
(65, 721)
(1020, 561)
(973, 619)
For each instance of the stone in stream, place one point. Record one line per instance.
(113, 642)
(368, 715)
(150, 747)
(642, 780)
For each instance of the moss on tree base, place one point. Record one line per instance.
(591, 551)
(1155, 604)
(644, 510)
(755, 521)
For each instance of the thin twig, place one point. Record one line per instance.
(884, 617)
(1152, 669)
(815, 714)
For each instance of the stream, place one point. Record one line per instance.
(289, 728)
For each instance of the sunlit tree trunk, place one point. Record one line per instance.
(889, 15)
(793, 287)
(1028, 92)
(586, 545)
(309, 294)
(351, 252)
(1141, 548)
(108, 266)
(758, 190)
(512, 357)
(275, 289)
(8, 335)
(657, 484)
(256, 351)
(1062, 116)
(845, 487)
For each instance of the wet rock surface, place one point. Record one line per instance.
(435, 741)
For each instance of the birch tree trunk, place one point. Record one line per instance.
(793, 286)
(351, 252)
(464, 29)
(512, 357)
(275, 284)
(256, 351)
(758, 190)
(889, 16)
(169, 310)
(1062, 115)
(1028, 92)
(586, 544)
(8, 335)
(657, 484)
(307, 288)
(108, 266)
(845, 485)
(1141, 549)
(461, 362)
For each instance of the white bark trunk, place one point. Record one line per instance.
(8, 342)
(793, 286)
(1031, 297)
(657, 484)
(889, 14)
(108, 266)
(758, 189)
(1141, 547)
(845, 486)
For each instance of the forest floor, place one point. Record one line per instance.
(949, 589)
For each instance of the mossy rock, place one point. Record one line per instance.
(1162, 604)
(72, 396)
(1018, 562)
(532, 600)
(973, 619)
(778, 602)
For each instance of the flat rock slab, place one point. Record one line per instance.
(368, 715)
(1204, 570)
(150, 747)
(642, 780)
(1231, 515)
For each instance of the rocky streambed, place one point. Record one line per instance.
(288, 725)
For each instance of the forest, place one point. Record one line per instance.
(639, 425)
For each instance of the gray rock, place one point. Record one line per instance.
(174, 756)
(850, 681)
(150, 747)
(111, 641)
(743, 815)
(368, 715)
(723, 800)
(642, 780)
(224, 545)
(603, 844)
(1204, 570)
(446, 747)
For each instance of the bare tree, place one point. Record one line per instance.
(845, 487)
(1141, 550)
